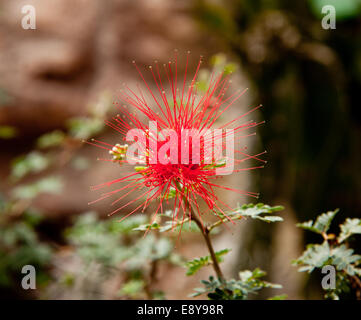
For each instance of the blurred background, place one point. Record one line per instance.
(58, 83)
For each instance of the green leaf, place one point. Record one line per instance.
(33, 162)
(343, 258)
(349, 228)
(176, 226)
(195, 265)
(85, 128)
(270, 218)
(332, 252)
(51, 139)
(249, 282)
(162, 249)
(315, 256)
(132, 288)
(33, 217)
(148, 249)
(97, 240)
(128, 225)
(50, 184)
(322, 223)
(256, 211)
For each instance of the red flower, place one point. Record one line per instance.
(166, 170)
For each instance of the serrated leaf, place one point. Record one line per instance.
(348, 228)
(256, 211)
(322, 223)
(315, 256)
(249, 282)
(343, 258)
(331, 252)
(195, 265)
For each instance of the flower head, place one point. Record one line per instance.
(174, 142)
